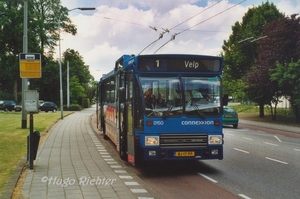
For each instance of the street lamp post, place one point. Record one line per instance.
(60, 65)
(68, 85)
(24, 80)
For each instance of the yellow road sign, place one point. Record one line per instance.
(30, 65)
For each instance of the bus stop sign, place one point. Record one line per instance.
(30, 65)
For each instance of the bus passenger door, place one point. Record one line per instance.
(130, 118)
(122, 118)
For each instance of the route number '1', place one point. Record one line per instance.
(157, 63)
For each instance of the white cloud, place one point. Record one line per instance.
(119, 27)
(289, 7)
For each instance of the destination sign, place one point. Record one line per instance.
(179, 64)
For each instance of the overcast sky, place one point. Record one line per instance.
(120, 27)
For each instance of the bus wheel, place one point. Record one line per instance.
(104, 133)
(123, 155)
(105, 136)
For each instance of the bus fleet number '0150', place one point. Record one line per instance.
(186, 123)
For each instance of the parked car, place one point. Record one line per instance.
(48, 106)
(7, 105)
(18, 108)
(230, 117)
(1, 104)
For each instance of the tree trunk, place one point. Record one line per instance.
(261, 110)
(297, 114)
(15, 91)
(273, 111)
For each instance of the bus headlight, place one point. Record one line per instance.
(151, 140)
(215, 139)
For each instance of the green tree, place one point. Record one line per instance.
(236, 88)
(76, 90)
(11, 35)
(280, 45)
(91, 89)
(48, 86)
(241, 49)
(77, 66)
(288, 77)
(46, 18)
(49, 18)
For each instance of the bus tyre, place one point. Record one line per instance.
(104, 133)
(105, 136)
(123, 155)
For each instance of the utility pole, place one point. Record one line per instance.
(24, 80)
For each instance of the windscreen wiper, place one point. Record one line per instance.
(167, 112)
(201, 114)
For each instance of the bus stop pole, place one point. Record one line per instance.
(31, 142)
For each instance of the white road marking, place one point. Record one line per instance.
(241, 150)
(279, 140)
(131, 183)
(145, 198)
(296, 149)
(120, 171)
(116, 166)
(126, 177)
(279, 161)
(138, 190)
(244, 196)
(208, 178)
(247, 138)
(270, 144)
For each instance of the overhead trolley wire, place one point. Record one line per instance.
(196, 14)
(174, 35)
(212, 16)
(166, 30)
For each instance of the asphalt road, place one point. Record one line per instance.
(258, 163)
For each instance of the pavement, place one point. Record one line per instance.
(73, 161)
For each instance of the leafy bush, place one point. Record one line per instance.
(86, 103)
(73, 107)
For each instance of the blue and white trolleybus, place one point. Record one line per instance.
(163, 107)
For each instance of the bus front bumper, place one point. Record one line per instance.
(212, 152)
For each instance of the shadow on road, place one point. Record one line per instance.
(175, 168)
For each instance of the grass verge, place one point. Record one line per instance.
(251, 112)
(13, 139)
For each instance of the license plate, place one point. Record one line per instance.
(184, 153)
(228, 115)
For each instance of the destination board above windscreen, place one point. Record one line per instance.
(188, 64)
